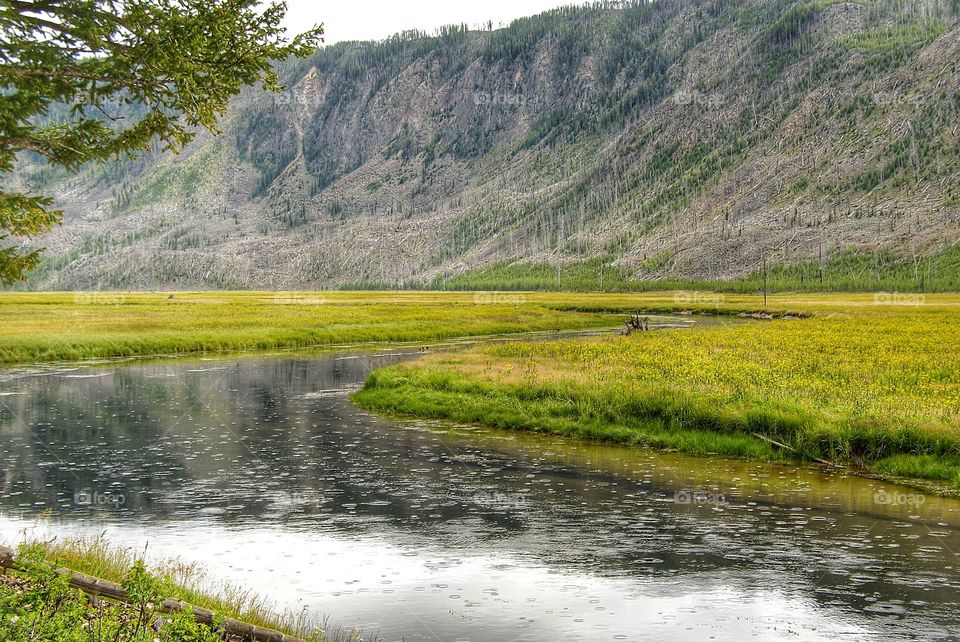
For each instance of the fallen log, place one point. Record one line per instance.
(97, 587)
(791, 448)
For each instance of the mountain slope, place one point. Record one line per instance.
(677, 138)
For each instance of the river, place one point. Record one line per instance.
(260, 468)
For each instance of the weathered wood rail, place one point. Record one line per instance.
(101, 588)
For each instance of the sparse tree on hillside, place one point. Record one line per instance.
(91, 80)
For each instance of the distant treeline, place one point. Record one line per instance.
(848, 270)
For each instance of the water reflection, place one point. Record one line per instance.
(262, 469)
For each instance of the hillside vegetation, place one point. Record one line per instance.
(686, 140)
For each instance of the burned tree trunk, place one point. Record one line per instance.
(637, 323)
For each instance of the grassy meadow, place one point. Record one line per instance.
(870, 382)
(41, 327)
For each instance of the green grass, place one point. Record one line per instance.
(63, 326)
(453, 398)
(869, 383)
(36, 603)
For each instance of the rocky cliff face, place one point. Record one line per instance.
(685, 138)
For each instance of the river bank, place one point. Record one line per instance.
(868, 385)
(40, 597)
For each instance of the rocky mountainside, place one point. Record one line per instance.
(675, 138)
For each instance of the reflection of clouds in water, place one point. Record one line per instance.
(371, 583)
(262, 469)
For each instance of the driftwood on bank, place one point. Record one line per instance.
(101, 588)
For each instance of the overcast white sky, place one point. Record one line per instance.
(373, 19)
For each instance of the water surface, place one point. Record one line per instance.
(263, 470)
